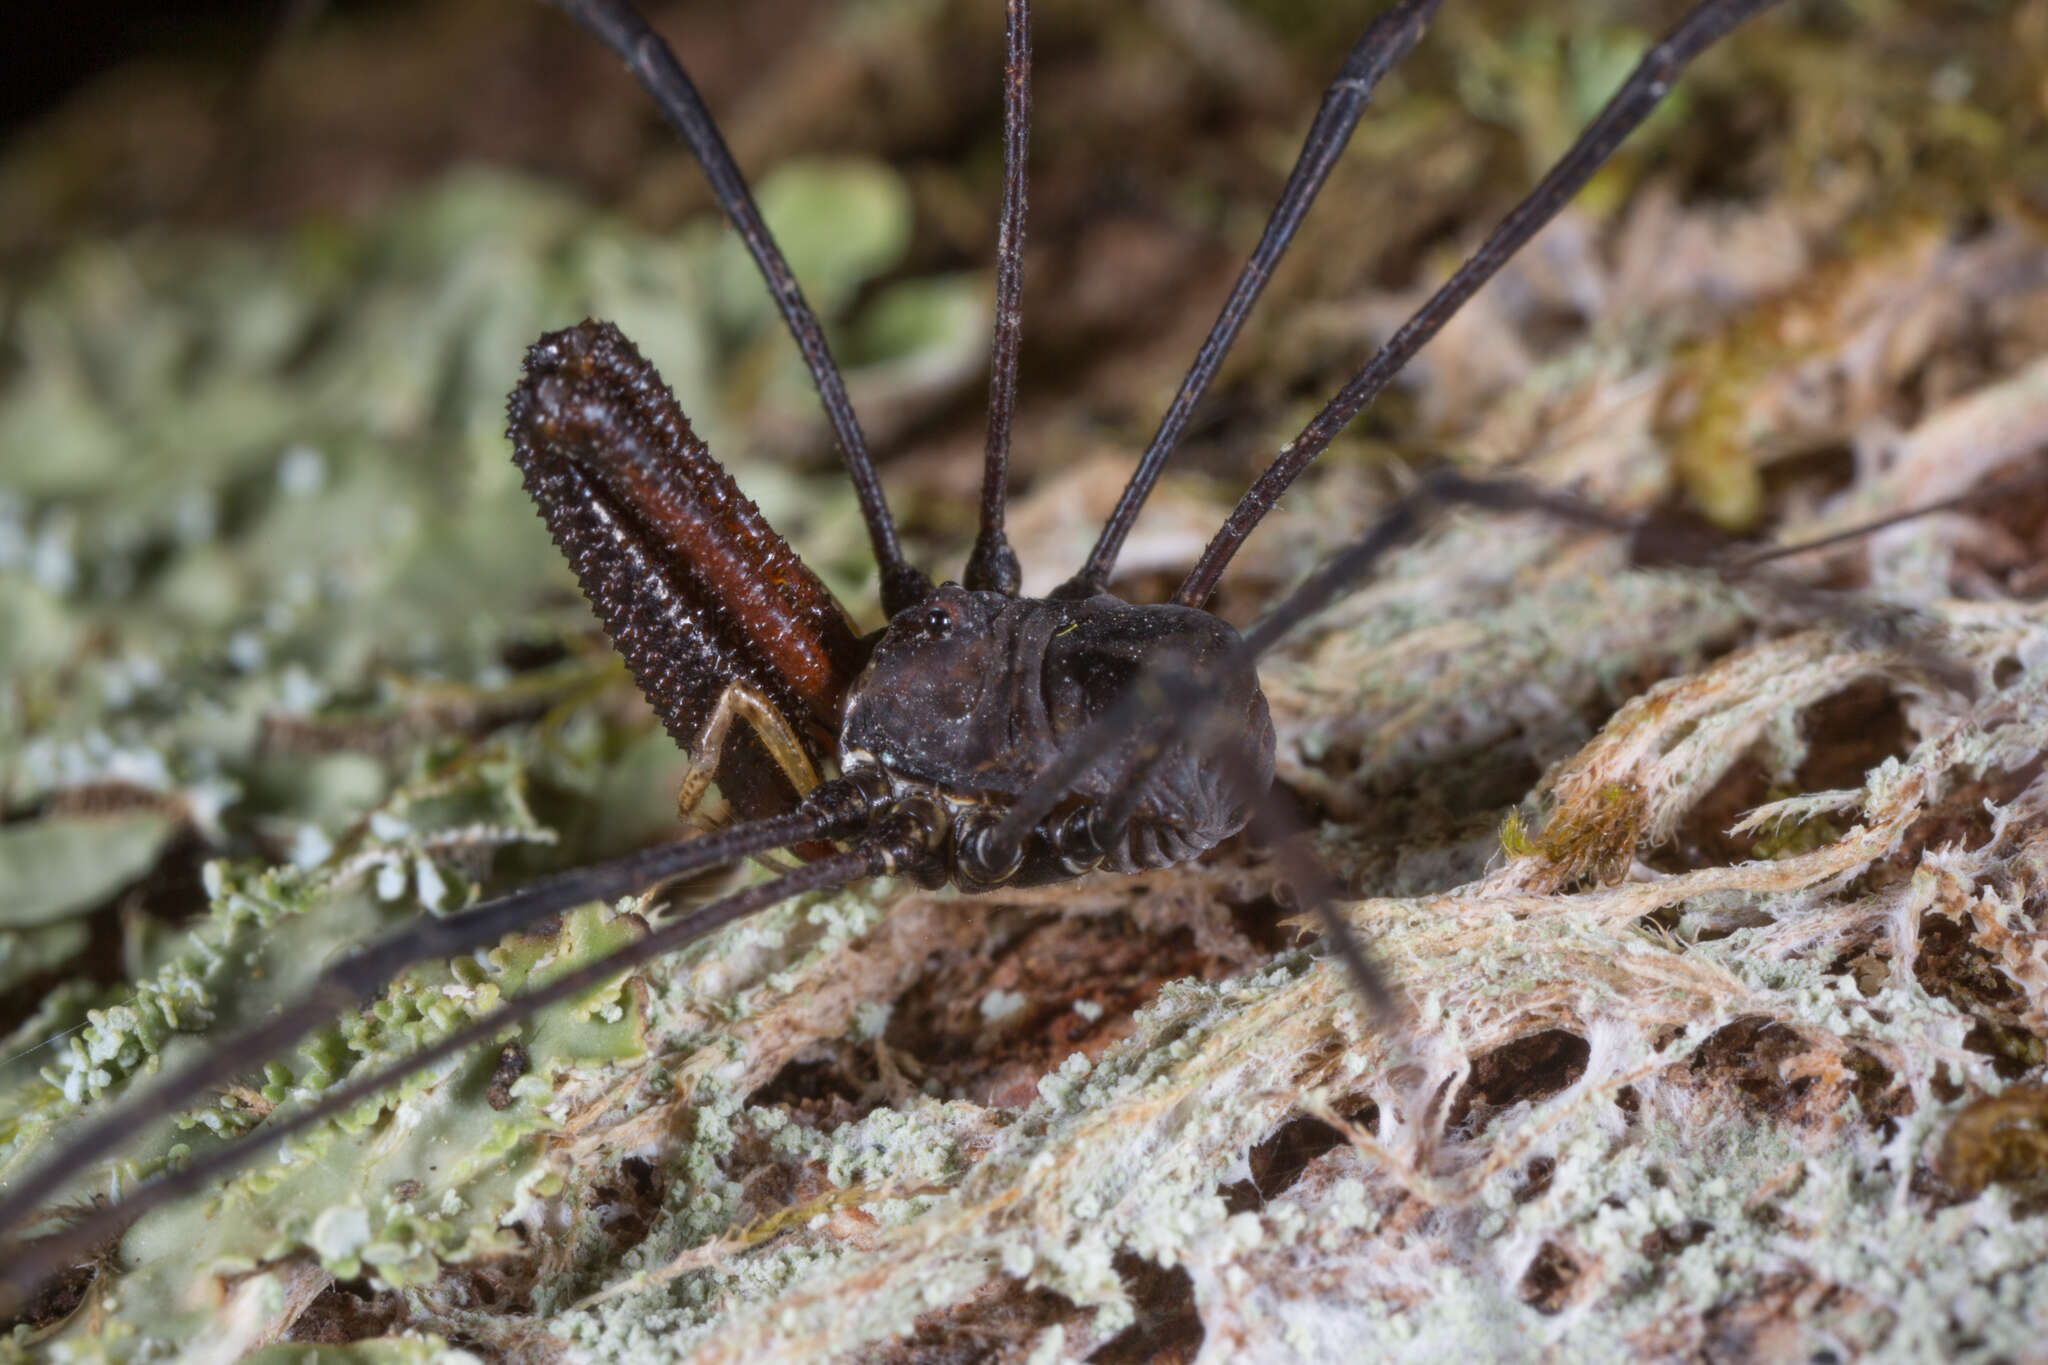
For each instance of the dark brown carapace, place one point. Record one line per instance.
(979, 738)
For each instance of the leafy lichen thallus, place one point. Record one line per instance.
(981, 738)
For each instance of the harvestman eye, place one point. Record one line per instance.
(830, 742)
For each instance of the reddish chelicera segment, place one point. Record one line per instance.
(694, 586)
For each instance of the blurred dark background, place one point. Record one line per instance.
(54, 49)
(1163, 130)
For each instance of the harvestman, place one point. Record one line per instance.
(980, 739)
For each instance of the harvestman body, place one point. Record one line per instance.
(965, 700)
(980, 738)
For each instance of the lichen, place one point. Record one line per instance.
(1712, 903)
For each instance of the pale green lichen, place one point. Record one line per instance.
(360, 592)
(265, 602)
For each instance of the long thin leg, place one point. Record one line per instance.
(1653, 544)
(26, 1266)
(654, 65)
(1319, 893)
(1640, 93)
(1347, 568)
(832, 810)
(1385, 42)
(993, 564)
(1988, 494)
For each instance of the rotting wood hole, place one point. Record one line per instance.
(997, 1324)
(1846, 735)
(1548, 1283)
(1263, 922)
(1528, 1069)
(2013, 1051)
(1951, 965)
(1747, 1060)
(1748, 1055)
(774, 1182)
(1668, 1241)
(1111, 964)
(1849, 733)
(632, 1199)
(1448, 786)
(1876, 1088)
(1961, 818)
(1549, 328)
(1536, 1178)
(1168, 1330)
(349, 1311)
(2024, 517)
(1660, 1245)
(1704, 838)
(822, 1087)
(1866, 962)
(1279, 1160)
(1414, 826)
(61, 1296)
